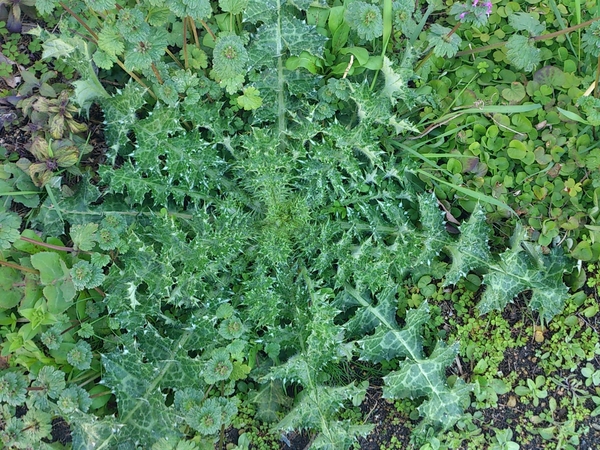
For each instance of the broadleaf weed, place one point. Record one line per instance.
(260, 212)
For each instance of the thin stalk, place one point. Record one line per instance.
(18, 267)
(80, 20)
(543, 37)
(15, 193)
(209, 31)
(156, 74)
(450, 33)
(137, 79)
(597, 77)
(387, 32)
(175, 60)
(185, 53)
(195, 33)
(101, 394)
(51, 246)
(222, 434)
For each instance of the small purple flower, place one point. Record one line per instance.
(475, 2)
(462, 15)
(488, 6)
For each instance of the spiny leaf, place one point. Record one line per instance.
(471, 250)
(517, 272)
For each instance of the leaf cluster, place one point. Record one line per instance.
(255, 224)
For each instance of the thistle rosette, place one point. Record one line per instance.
(365, 19)
(230, 60)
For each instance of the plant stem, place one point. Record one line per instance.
(170, 53)
(18, 267)
(185, 53)
(80, 20)
(209, 31)
(597, 78)
(450, 33)
(158, 77)
(53, 247)
(542, 37)
(137, 79)
(195, 33)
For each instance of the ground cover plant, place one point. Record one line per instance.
(285, 211)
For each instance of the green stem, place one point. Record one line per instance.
(185, 53)
(53, 247)
(387, 32)
(80, 20)
(12, 194)
(596, 90)
(18, 267)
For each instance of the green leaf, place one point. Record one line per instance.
(572, 116)
(10, 280)
(233, 6)
(522, 53)
(54, 274)
(45, 6)
(471, 250)
(230, 60)
(518, 271)
(142, 411)
(100, 5)
(325, 401)
(365, 19)
(9, 229)
(284, 34)
(523, 21)
(86, 275)
(250, 99)
(419, 375)
(427, 378)
(84, 236)
(269, 400)
(13, 388)
(443, 47)
(517, 150)
(515, 93)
